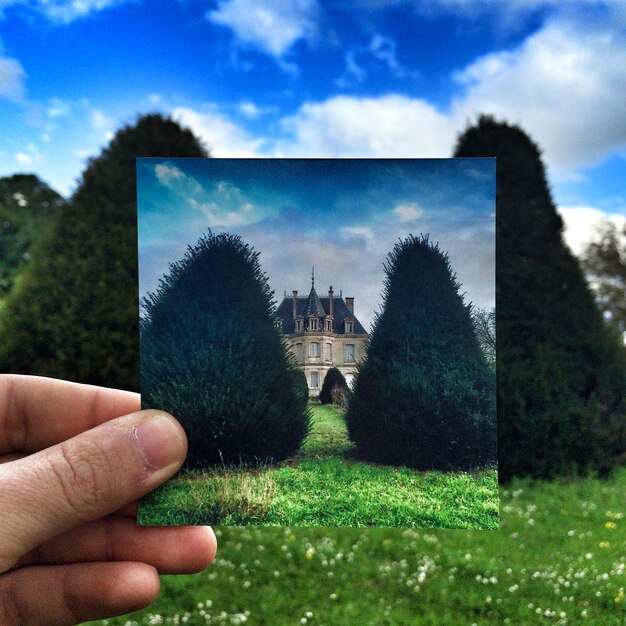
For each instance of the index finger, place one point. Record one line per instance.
(37, 412)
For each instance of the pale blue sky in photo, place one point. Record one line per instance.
(341, 216)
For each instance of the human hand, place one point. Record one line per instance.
(70, 469)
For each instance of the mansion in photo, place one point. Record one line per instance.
(322, 333)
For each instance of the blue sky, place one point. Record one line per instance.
(341, 216)
(304, 78)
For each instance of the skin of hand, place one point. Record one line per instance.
(74, 459)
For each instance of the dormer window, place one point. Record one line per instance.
(329, 326)
(299, 326)
(349, 326)
(313, 323)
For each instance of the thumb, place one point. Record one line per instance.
(85, 478)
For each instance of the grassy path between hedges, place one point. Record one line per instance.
(323, 485)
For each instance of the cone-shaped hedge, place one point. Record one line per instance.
(561, 372)
(212, 355)
(334, 378)
(425, 396)
(74, 313)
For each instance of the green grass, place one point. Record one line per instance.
(559, 558)
(324, 485)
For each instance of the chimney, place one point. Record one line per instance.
(330, 301)
(350, 305)
(295, 307)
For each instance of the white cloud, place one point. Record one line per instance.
(364, 232)
(58, 108)
(408, 212)
(62, 11)
(167, 173)
(267, 25)
(380, 51)
(580, 223)
(564, 85)
(24, 159)
(12, 77)
(223, 137)
(99, 121)
(389, 126)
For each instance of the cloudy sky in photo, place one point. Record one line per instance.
(322, 78)
(340, 216)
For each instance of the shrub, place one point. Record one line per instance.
(561, 372)
(425, 396)
(334, 383)
(212, 356)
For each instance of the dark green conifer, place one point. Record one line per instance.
(334, 380)
(560, 373)
(425, 396)
(75, 315)
(211, 355)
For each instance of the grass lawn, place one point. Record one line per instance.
(325, 486)
(559, 558)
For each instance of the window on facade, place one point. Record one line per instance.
(314, 349)
(349, 326)
(315, 380)
(299, 352)
(350, 380)
(328, 352)
(349, 353)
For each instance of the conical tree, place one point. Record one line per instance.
(211, 355)
(334, 379)
(560, 372)
(75, 314)
(425, 396)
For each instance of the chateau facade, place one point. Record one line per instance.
(322, 333)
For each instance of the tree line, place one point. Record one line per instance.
(72, 308)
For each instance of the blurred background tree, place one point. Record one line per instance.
(485, 327)
(604, 262)
(71, 310)
(561, 371)
(75, 313)
(27, 206)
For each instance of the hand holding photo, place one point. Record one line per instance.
(375, 408)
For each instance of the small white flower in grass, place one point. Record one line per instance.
(308, 614)
(333, 596)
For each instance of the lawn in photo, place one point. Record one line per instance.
(367, 402)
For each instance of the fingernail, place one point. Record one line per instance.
(160, 441)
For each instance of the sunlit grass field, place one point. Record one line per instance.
(559, 558)
(324, 485)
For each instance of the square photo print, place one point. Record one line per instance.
(324, 330)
